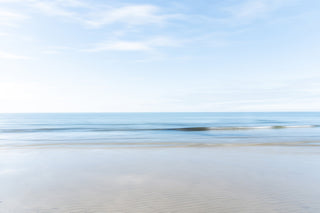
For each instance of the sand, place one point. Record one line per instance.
(207, 179)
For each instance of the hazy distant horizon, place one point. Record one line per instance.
(159, 112)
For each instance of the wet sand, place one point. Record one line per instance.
(192, 179)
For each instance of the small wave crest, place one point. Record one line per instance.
(240, 128)
(37, 130)
(216, 128)
(115, 145)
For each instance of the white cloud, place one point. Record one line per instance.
(56, 49)
(123, 17)
(255, 9)
(146, 45)
(5, 55)
(72, 3)
(96, 15)
(122, 46)
(11, 1)
(251, 9)
(4, 34)
(132, 15)
(10, 18)
(52, 8)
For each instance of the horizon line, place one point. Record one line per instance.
(160, 112)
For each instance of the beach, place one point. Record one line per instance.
(223, 177)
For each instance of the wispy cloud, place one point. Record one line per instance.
(130, 26)
(48, 7)
(145, 45)
(298, 95)
(5, 55)
(52, 8)
(10, 18)
(132, 15)
(4, 34)
(250, 10)
(57, 49)
(122, 46)
(97, 15)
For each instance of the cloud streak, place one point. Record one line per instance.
(145, 45)
(10, 18)
(10, 56)
(250, 10)
(131, 15)
(94, 15)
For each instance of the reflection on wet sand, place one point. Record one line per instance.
(219, 179)
(149, 144)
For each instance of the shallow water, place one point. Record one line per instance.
(59, 164)
(110, 130)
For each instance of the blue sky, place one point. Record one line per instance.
(142, 56)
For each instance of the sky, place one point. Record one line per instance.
(159, 56)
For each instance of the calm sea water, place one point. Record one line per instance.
(104, 130)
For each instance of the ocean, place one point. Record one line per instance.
(103, 130)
